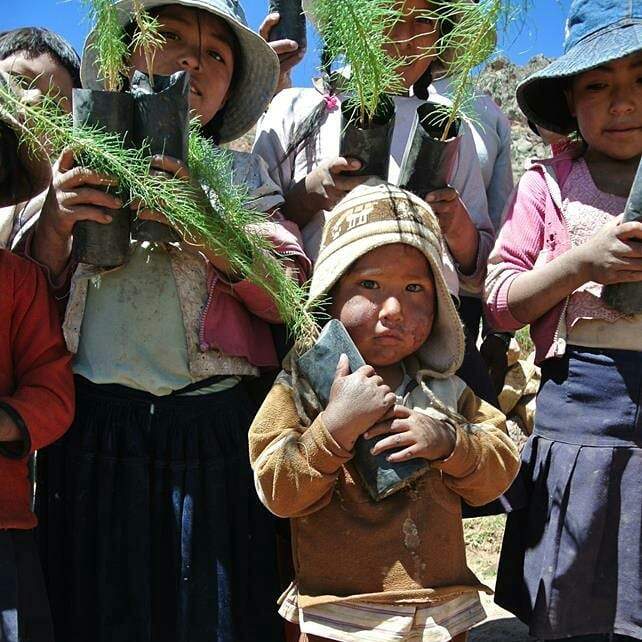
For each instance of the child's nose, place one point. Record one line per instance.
(391, 309)
(190, 58)
(621, 100)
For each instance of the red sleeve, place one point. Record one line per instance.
(42, 404)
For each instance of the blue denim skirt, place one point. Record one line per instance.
(150, 529)
(571, 561)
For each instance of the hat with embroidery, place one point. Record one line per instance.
(376, 214)
(256, 73)
(597, 32)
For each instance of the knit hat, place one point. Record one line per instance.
(597, 32)
(376, 214)
(256, 74)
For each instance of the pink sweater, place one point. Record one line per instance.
(534, 233)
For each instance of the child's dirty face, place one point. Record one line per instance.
(414, 39)
(42, 72)
(607, 102)
(202, 44)
(387, 303)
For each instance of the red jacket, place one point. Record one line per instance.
(36, 384)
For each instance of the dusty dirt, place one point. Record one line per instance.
(483, 542)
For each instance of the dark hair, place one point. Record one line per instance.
(14, 180)
(35, 41)
(212, 129)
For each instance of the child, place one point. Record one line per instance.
(150, 526)
(571, 562)
(299, 139)
(50, 65)
(36, 407)
(394, 570)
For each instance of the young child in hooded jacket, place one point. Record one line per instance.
(394, 569)
(571, 562)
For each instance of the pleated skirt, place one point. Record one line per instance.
(150, 529)
(571, 561)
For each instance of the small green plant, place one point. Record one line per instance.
(469, 39)
(223, 221)
(147, 37)
(110, 43)
(358, 32)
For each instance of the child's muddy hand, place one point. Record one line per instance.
(357, 402)
(613, 255)
(449, 209)
(413, 435)
(76, 194)
(326, 185)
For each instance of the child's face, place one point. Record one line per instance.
(43, 73)
(203, 45)
(607, 103)
(387, 303)
(414, 39)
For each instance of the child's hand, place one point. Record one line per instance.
(413, 434)
(357, 402)
(289, 52)
(9, 432)
(614, 254)
(73, 197)
(456, 225)
(322, 189)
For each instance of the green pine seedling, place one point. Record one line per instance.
(222, 221)
(357, 32)
(147, 38)
(110, 43)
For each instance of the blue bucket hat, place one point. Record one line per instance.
(257, 72)
(597, 32)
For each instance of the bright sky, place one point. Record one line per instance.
(542, 31)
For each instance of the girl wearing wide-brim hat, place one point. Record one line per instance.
(150, 528)
(571, 563)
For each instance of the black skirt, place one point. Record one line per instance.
(150, 529)
(24, 610)
(571, 561)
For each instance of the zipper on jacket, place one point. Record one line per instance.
(201, 330)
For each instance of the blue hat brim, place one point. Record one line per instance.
(542, 97)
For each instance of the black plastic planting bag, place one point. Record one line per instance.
(291, 24)
(368, 142)
(161, 121)
(318, 365)
(428, 161)
(103, 245)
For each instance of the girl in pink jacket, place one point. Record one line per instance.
(571, 563)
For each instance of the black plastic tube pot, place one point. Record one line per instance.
(103, 245)
(368, 142)
(627, 297)
(428, 161)
(291, 25)
(161, 121)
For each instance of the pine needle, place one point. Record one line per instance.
(147, 37)
(109, 44)
(357, 31)
(223, 221)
